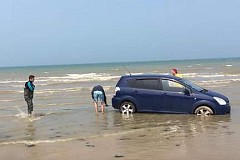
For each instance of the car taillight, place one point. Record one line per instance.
(116, 90)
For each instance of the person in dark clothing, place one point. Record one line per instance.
(28, 93)
(98, 94)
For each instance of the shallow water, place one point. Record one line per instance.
(63, 111)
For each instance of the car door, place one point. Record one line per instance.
(147, 94)
(175, 98)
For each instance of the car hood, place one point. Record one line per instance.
(215, 94)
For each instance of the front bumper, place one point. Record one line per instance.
(226, 109)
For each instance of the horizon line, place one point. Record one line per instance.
(118, 62)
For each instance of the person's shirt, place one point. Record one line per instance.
(99, 88)
(179, 75)
(30, 87)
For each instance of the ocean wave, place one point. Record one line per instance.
(60, 90)
(64, 90)
(6, 100)
(208, 75)
(68, 78)
(218, 82)
(36, 142)
(11, 81)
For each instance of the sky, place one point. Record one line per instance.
(49, 32)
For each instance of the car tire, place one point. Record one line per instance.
(203, 110)
(127, 108)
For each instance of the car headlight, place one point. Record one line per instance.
(220, 100)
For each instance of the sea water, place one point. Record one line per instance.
(63, 108)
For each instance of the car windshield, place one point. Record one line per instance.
(192, 85)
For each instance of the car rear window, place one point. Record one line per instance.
(130, 83)
(147, 84)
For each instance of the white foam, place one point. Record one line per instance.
(67, 139)
(24, 116)
(70, 78)
(6, 100)
(36, 142)
(67, 78)
(137, 73)
(225, 81)
(208, 75)
(61, 90)
(10, 81)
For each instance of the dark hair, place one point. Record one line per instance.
(31, 77)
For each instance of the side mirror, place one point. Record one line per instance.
(186, 92)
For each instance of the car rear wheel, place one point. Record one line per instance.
(203, 110)
(127, 108)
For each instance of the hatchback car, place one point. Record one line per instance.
(166, 94)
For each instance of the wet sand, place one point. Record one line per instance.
(128, 147)
(215, 137)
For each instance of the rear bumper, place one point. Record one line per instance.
(116, 102)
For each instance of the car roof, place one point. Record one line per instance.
(152, 76)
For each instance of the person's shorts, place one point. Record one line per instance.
(98, 96)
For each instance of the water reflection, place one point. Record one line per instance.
(101, 121)
(185, 125)
(30, 131)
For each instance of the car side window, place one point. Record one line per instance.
(147, 84)
(172, 86)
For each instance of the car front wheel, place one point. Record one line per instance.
(203, 110)
(127, 108)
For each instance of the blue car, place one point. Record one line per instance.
(166, 94)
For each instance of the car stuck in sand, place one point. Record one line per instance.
(166, 94)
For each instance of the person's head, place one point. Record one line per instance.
(31, 78)
(174, 71)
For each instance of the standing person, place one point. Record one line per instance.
(175, 73)
(28, 93)
(98, 94)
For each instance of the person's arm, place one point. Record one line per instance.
(105, 98)
(92, 93)
(30, 86)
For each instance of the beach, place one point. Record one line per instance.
(65, 126)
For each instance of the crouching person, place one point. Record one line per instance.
(98, 94)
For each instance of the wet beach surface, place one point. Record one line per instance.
(64, 125)
(140, 136)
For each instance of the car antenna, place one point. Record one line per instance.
(127, 70)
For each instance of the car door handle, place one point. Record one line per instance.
(135, 91)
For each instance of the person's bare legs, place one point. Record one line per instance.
(96, 107)
(103, 106)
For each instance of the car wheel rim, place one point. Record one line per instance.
(127, 109)
(203, 111)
